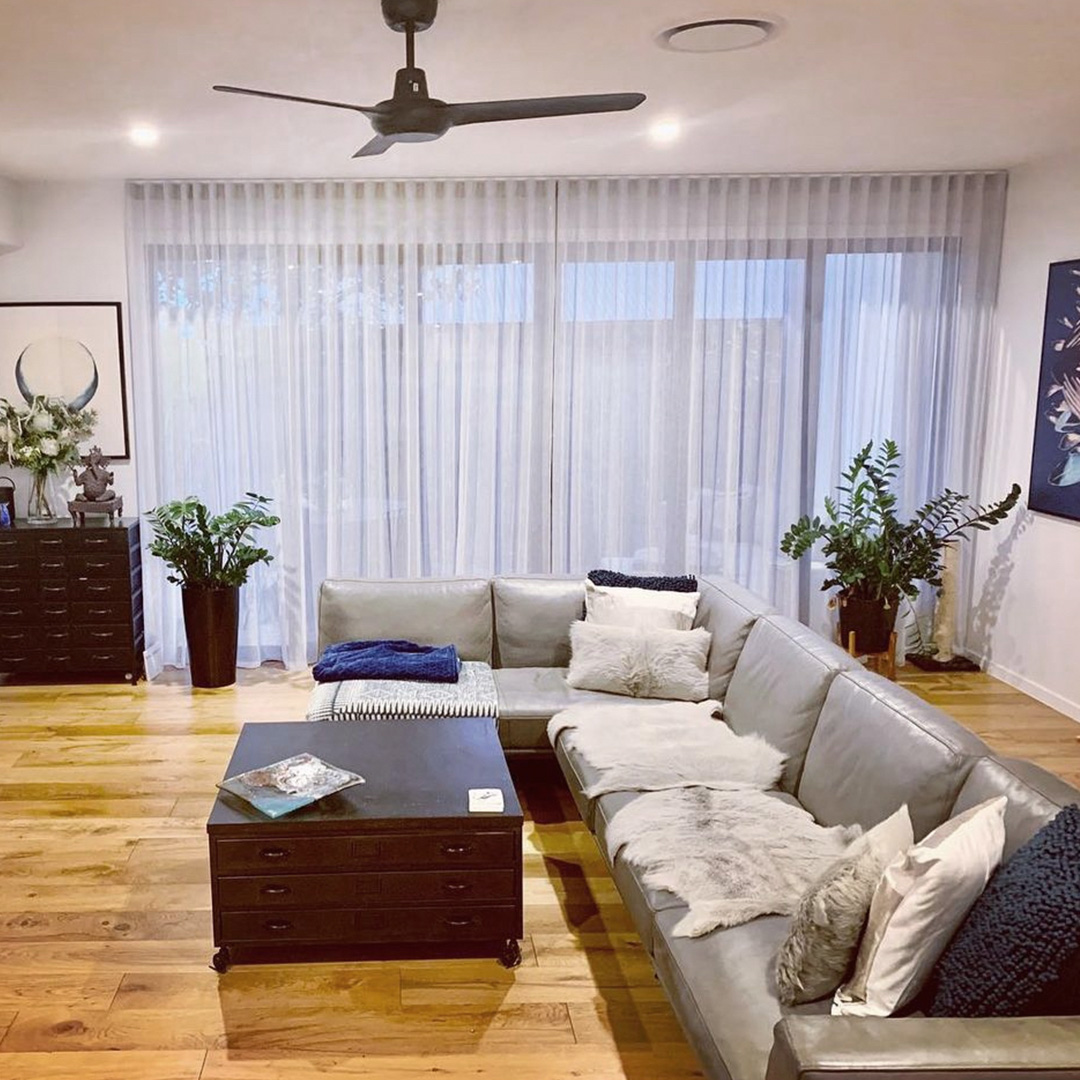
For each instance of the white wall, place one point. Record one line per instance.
(1027, 571)
(72, 248)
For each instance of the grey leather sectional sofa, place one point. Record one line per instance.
(858, 747)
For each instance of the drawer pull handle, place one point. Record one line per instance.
(98, 588)
(278, 925)
(15, 659)
(104, 635)
(58, 589)
(53, 565)
(96, 543)
(55, 611)
(98, 613)
(458, 923)
(59, 659)
(9, 566)
(457, 886)
(274, 853)
(457, 849)
(103, 658)
(275, 890)
(51, 543)
(97, 564)
(11, 590)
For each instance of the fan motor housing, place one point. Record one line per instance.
(405, 15)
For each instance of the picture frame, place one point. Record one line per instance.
(1055, 455)
(73, 350)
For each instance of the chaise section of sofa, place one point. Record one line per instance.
(862, 747)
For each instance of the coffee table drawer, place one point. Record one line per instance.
(348, 852)
(349, 890)
(270, 926)
(437, 924)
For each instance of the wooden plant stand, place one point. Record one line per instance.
(884, 663)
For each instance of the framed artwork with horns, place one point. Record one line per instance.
(73, 351)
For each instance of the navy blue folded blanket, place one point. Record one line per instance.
(388, 660)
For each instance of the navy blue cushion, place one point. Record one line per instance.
(1017, 950)
(612, 579)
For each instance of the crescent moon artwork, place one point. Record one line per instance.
(72, 351)
(57, 367)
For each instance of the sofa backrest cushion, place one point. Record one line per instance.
(877, 746)
(429, 611)
(728, 612)
(1035, 796)
(779, 685)
(532, 619)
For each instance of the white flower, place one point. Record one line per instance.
(49, 447)
(41, 421)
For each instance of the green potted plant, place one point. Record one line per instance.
(211, 557)
(873, 557)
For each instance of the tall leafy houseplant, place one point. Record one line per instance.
(210, 557)
(873, 557)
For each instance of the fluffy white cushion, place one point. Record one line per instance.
(638, 662)
(647, 608)
(921, 900)
(824, 935)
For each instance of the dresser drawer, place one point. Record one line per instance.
(13, 658)
(103, 564)
(17, 567)
(98, 637)
(86, 612)
(98, 540)
(97, 588)
(10, 543)
(350, 890)
(16, 588)
(19, 638)
(270, 926)
(108, 658)
(429, 851)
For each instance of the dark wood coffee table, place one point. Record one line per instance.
(395, 862)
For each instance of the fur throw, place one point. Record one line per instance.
(730, 855)
(651, 747)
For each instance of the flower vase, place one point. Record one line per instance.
(39, 509)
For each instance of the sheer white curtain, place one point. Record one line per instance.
(726, 344)
(456, 377)
(369, 355)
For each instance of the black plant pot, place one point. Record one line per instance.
(211, 619)
(872, 622)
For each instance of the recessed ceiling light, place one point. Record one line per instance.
(716, 35)
(665, 131)
(144, 135)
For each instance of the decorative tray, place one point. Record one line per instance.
(290, 784)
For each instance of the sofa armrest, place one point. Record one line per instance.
(857, 1048)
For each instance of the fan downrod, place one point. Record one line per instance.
(409, 16)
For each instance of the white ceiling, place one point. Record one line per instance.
(847, 85)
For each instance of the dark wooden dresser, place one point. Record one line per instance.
(71, 600)
(396, 862)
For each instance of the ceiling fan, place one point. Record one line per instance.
(411, 115)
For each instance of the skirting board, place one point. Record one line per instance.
(1036, 690)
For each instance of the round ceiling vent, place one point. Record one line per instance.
(716, 35)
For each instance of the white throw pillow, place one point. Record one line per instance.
(647, 608)
(920, 902)
(639, 663)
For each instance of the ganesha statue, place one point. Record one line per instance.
(97, 496)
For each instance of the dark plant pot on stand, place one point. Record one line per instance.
(871, 620)
(211, 622)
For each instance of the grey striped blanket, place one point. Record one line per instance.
(474, 694)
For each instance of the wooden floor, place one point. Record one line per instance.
(105, 920)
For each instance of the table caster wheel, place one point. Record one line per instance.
(221, 960)
(510, 957)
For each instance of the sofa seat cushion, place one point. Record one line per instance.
(530, 696)
(723, 987)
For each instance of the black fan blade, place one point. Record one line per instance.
(484, 112)
(379, 145)
(293, 97)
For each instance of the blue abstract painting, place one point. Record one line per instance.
(1055, 459)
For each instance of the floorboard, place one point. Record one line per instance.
(105, 913)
